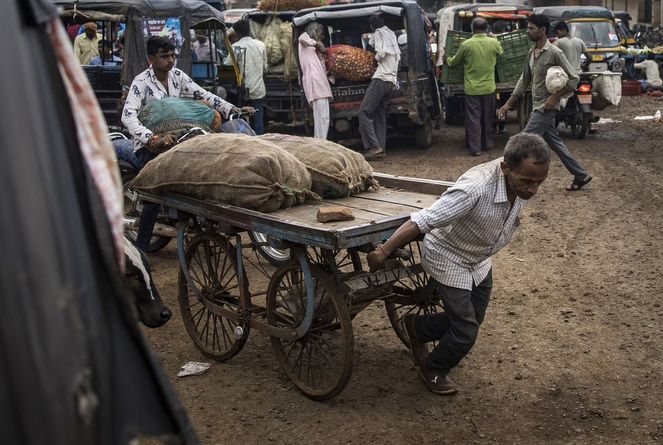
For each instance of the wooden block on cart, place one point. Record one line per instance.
(336, 213)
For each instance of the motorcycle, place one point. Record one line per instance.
(577, 113)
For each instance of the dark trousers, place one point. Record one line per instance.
(259, 117)
(543, 123)
(479, 118)
(150, 213)
(457, 327)
(373, 114)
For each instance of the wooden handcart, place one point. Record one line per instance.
(312, 296)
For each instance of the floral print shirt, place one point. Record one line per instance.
(146, 88)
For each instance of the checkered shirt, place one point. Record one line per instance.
(470, 223)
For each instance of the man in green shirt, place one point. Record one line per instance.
(478, 54)
(546, 105)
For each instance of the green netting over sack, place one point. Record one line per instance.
(232, 169)
(290, 5)
(335, 170)
(174, 116)
(348, 62)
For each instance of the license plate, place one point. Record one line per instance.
(597, 58)
(585, 98)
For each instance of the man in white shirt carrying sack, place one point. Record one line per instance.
(374, 106)
(252, 60)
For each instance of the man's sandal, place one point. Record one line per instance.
(578, 184)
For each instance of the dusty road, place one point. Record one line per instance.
(570, 352)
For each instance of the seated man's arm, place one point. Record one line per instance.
(192, 90)
(130, 114)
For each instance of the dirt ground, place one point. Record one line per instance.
(570, 352)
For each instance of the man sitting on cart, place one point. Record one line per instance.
(159, 81)
(463, 229)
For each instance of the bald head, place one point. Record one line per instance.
(479, 25)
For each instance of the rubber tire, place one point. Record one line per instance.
(580, 130)
(423, 135)
(266, 251)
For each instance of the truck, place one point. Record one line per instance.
(508, 23)
(415, 107)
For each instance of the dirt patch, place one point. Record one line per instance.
(571, 349)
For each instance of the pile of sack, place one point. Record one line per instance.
(277, 37)
(335, 171)
(351, 63)
(264, 173)
(289, 5)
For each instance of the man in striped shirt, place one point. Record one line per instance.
(470, 222)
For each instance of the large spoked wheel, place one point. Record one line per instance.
(276, 257)
(414, 295)
(320, 362)
(212, 265)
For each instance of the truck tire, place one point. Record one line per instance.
(454, 111)
(423, 135)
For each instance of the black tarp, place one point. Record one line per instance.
(74, 367)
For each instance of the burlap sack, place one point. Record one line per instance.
(348, 62)
(176, 116)
(335, 170)
(290, 5)
(229, 168)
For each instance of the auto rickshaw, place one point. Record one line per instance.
(141, 18)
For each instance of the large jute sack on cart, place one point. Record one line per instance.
(335, 170)
(289, 5)
(229, 168)
(176, 116)
(351, 63)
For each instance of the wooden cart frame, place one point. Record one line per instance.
(309, 303)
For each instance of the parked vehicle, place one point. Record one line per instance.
(577, 113)
(140, 18)
(415, 106)
(505, 21)
(596, 27)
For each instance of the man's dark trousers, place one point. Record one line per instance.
(542, 122)
(373, 114)
(457, 327)
(479, 118)
(150, 213)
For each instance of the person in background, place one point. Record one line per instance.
(314, 77)
(159, 81)
(464, 228)
(652, 72)
(375, 104)
(252, 60)
(86, 45)
(107, 57)
(204, 49)
(540, 58)
(572, 47)
(478, 55)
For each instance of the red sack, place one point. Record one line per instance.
(351, 63)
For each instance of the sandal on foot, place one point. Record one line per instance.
(578, 184)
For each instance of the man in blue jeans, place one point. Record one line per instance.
(542, 57)
(470, 222)
(159, 81)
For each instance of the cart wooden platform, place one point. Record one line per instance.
(314, 289)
